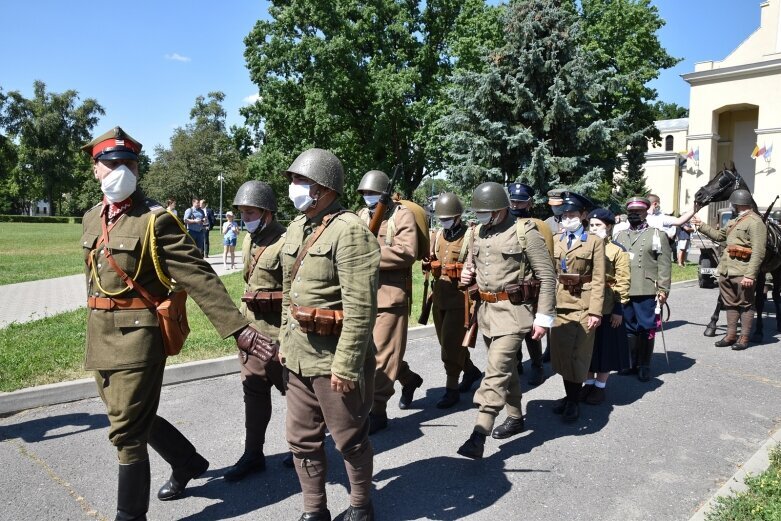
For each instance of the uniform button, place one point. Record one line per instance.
(135, 322)
(85, 243)
(292, 326)
(298, 278)
(295, 295)
(121, 245)
(100, 265)
(96, 294)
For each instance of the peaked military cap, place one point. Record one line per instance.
(520, 192)
(575, 202)
(603, 214)
(114, 144)
(554, 196)
(635, 203)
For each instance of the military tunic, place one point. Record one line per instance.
(339, 271)
(572, 342)
(499, 258)
(125, 347)
(393, 298)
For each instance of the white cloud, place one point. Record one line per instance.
(177, 57)
(251, 99)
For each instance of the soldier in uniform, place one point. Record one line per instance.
(262, 306)
(521, 202)
(449, 250)
(330, 269)
(125, 347)
(512, 268)
(650, 267)
(579, 258)
(399, 249)
(746, 237)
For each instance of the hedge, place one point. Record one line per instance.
(42, 219)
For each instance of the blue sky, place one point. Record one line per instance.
(146, 61)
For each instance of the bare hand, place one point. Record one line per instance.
(747, 282)
(615, 320)
(341, 385)
(661, 298)
(594, 321)
(538, 332)
(467, 276)
(696, 221)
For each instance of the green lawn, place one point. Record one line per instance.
(33, 251)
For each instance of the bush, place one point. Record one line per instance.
(36, 219)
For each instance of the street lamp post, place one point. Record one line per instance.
(221, 178)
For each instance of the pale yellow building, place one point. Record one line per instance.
(733, 106)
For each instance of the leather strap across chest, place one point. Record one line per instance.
(312, 239)
(268, 241)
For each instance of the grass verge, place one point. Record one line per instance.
(35, 251)
(688, 272)
(762, 500)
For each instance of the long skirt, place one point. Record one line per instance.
(611, 350)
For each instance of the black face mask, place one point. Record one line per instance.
(634, 219)
(520, 212)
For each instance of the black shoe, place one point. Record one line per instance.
(323, 515)
(408, 391)
(596, 396)
(585, 391)
(741, 344)
(571, 412)
(287, 461)
(561, 404)
(469, 379)
(537, 376)
(510, 427)
(644, 373)
(452, 396)
(474, 446)
(249, 463)
(174, 487)
(365, 513)
(377, 422)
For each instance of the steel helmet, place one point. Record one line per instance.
(489, 197)
(321, 166)
(448, 205)
(374, 181)
(741, 197)
(257, 194)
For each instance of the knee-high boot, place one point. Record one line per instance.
(177, 450)
(746, 323)
(257, 413)
(632, 342)
(732, 329)
(133, 491)
(645, 349)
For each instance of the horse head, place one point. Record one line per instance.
(720, 187)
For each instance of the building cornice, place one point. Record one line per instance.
(760, 131)
(702, 136)
(734, 72)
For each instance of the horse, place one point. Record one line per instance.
(719, 189)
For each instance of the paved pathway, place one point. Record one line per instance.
(653, 451)
(38, 299)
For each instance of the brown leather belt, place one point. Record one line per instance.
(110, 304)
(488, 296)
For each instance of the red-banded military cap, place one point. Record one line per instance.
(114, 144)
(638, 203)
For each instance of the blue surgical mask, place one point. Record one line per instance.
(371, 200)
(483, 217)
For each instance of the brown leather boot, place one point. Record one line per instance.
(732, 329)
(746, 323)
(741, 344)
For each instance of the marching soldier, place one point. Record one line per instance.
(580, 265)
(521, 202)
(330, 268)
(512, 268)
(449, 249)
(399, 249)
(746, 237)
(134, 250)
(261, 305)
(650, 268)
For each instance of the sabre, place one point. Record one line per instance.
(658, 311)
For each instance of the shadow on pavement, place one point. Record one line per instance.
(53, 427)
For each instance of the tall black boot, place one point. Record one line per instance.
(177, 450)
(645, 349)
(133, 491)
(632, 341)
(537, 375)
(257, 413)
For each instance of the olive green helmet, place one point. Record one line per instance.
(374, 181)
(776, 216)
(321, 166)
(740, 197)
(448, 205)
(257, 194)
(489, 197)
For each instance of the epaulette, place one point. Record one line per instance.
(152, 204)
(529, 225)
(623, 248)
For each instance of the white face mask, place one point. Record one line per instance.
(253, 226)
(119, 184)
(447, 223)
(483, 217)
(570, 224)
(299, 194)
(600, 232)
(371, 200)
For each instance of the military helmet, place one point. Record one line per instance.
(257, 194)
(489, 197)
(374, 181)
(321, 166)
(740, 197)
(776, 216)
(448, 205)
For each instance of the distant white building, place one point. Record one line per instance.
(40, 208)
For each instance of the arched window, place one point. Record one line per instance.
(668, 144)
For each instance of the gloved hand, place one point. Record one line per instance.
(255, 343)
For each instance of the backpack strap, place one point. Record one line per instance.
(390, 232)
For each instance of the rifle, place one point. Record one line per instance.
(428, 301)
(470, 338)
(382, 205)
(769, 209)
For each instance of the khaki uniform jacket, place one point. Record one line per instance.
(446, 292)
(617, 277)
(586, 258)
(267, 275)
(128, 339)
(745, 230)
(500, 260)
(645, 265)
(339, 271)
(397, 259)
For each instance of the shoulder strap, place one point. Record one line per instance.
(436, 240)
(520, 231)
(391, 230)
(261, 248)
(468, 237)
(320, 229)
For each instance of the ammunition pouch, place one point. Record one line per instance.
(453, 271)
(321, 322)
(473, 292)
(261, 301)
(573, 282)
(738, 252)
(436, 268)
(526, 292)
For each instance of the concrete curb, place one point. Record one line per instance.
(63, 392)
(758, 463)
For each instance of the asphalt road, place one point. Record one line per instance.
(652, 451)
